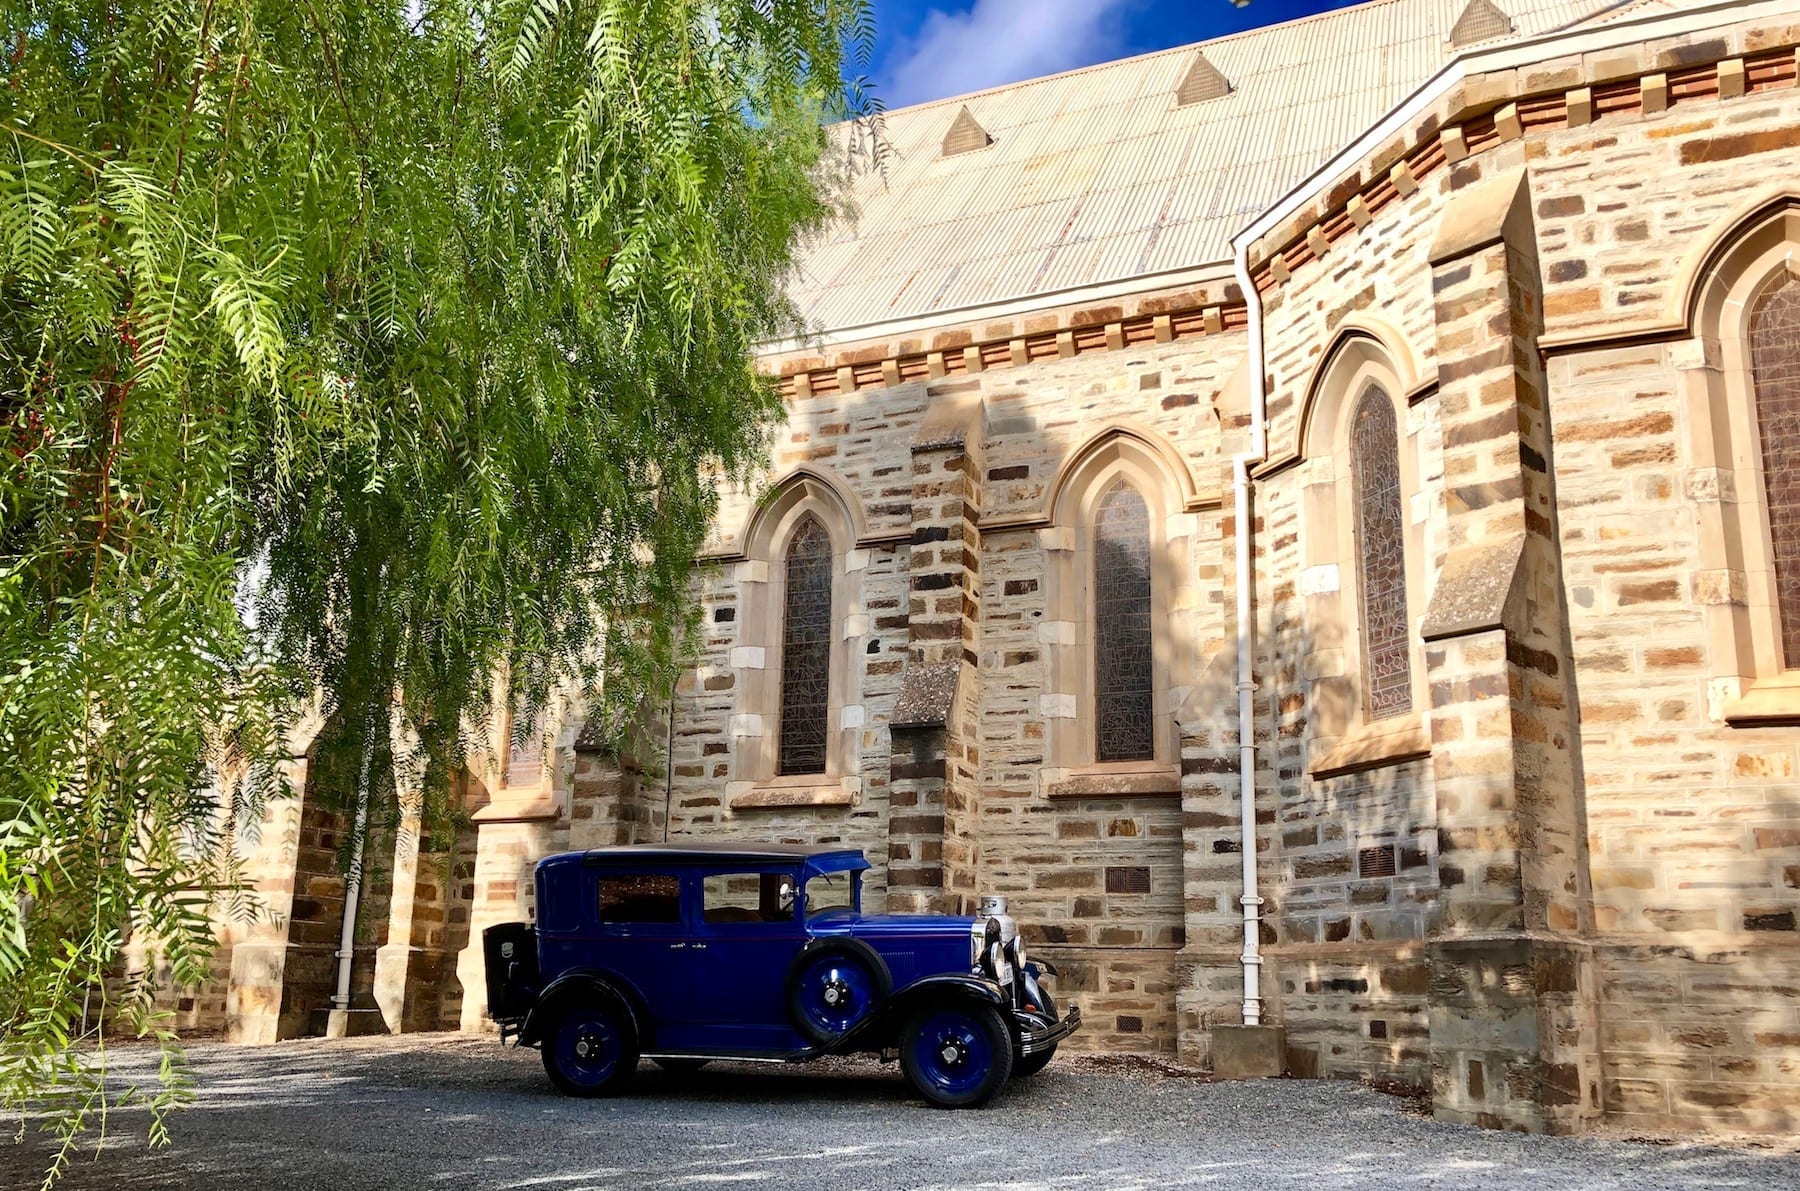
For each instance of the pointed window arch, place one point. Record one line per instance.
(1775, 377)
(1381, 555)
(1124, 669)
(806, 650)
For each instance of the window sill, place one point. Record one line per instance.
(1373, 745)
(1769, 702)
(1119, 779)
(524, 806)
(808, 790)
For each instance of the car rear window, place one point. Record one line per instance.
(647, 897)
(748, 897)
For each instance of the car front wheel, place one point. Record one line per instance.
(957, 1055)
(592, 1050)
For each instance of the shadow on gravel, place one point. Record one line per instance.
(454, 1113)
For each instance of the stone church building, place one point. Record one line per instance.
(1393, 413)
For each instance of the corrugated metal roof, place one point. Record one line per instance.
(1097, 176)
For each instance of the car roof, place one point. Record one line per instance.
(696, 852)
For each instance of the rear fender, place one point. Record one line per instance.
(583, 987)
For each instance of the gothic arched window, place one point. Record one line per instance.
(1775, 374)
(1123, 670)
(1381, 555)
(806, 650)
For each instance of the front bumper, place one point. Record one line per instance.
(1038, 1038)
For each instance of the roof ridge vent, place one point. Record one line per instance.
(965, 135)
(1482, 20)
(1202, 82)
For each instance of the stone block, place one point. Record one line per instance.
(1248, 1052)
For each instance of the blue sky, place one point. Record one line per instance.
(927, 49)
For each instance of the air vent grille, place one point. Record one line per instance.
(1480, 21)
(1127, 879)
(1376, 862)
(1201, 82)
(965, 135)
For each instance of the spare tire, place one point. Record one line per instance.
(835, 985)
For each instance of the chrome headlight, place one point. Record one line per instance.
(1002, 967)
(1019, 952)
(977, 943)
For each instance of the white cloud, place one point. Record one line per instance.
(1001, 41)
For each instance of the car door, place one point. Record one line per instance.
(643, 939)
(745, 934)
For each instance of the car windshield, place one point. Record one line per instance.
(829, 892)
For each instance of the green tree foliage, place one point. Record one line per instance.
(415, 335)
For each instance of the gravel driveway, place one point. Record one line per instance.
(454, 1112)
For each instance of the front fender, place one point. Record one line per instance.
(936, 988)
(572, 988)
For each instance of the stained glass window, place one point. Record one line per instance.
(806, 650)
(1381, 550)
(1123, 726)
(1775, 367)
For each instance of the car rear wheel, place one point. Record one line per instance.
(592, 1050)
(957, 1055)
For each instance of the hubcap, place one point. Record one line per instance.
(587, 1048)
(954, 1052)
(837, 994)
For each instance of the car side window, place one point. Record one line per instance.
(830, 891)
(747, 898)
(640, 898)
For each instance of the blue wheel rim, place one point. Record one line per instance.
(952, 1052)
(588, 1047)
(836, 993)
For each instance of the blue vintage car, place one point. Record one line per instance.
(686, 953)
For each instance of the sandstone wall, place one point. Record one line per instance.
(1670, 980)
(1097, 879)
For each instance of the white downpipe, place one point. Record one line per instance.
(352, 892)
(1397, 119)
(1251, 900)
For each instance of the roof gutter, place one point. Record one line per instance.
(1104, 291)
